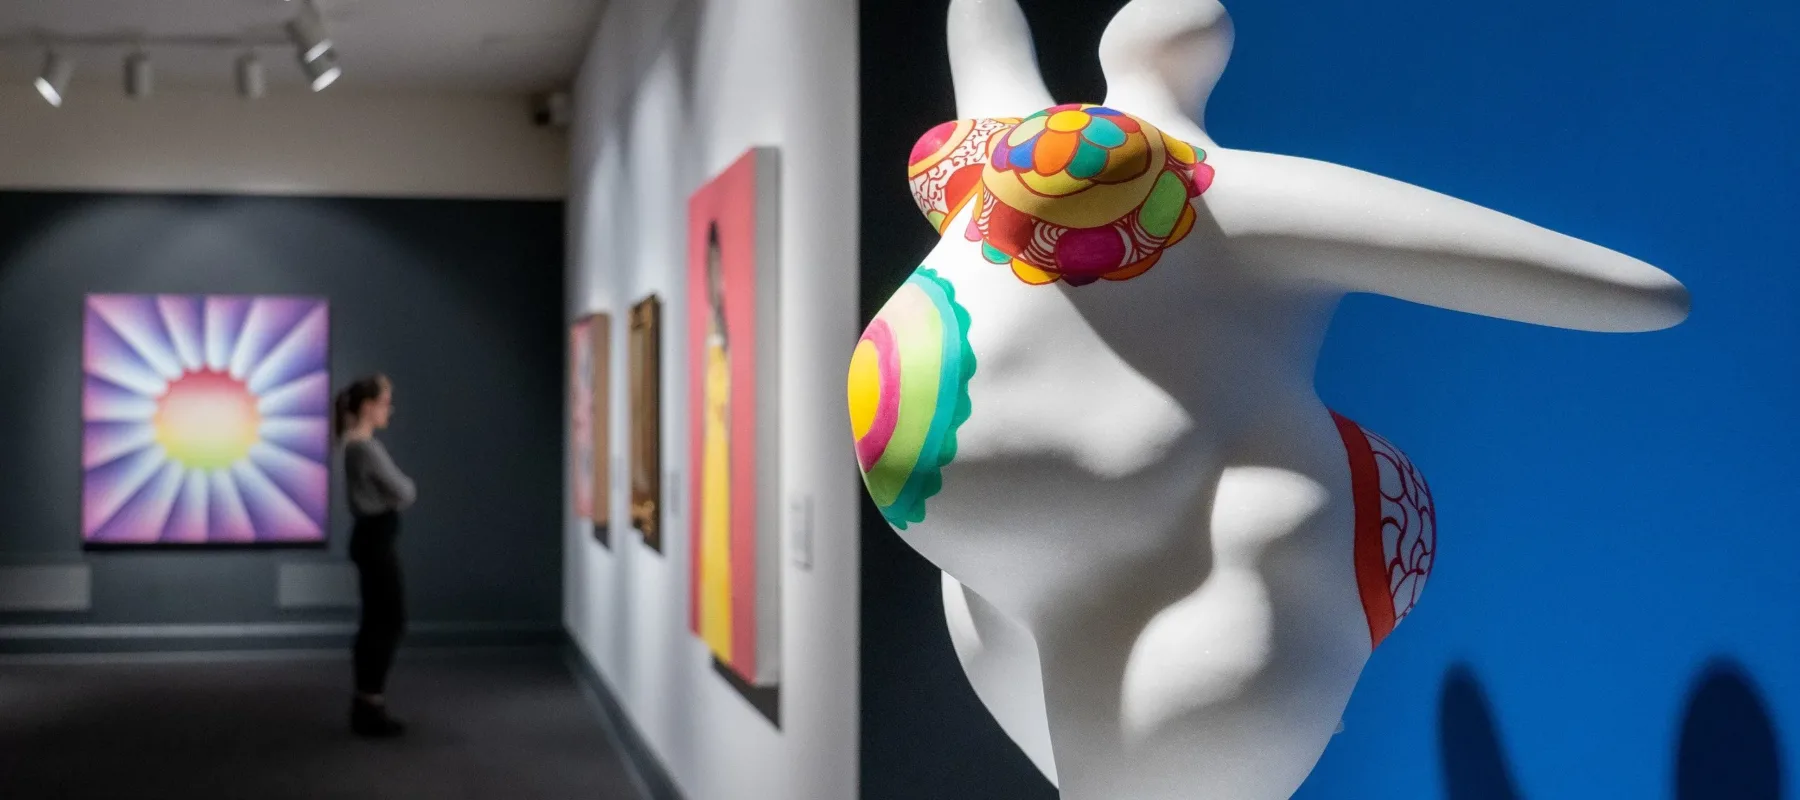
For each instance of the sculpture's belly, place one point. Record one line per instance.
(1254, 665)
(1030, 533)
(1239, 685)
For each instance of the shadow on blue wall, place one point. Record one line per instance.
(1474, 760)
(1728, 749)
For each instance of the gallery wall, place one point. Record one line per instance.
(458, 300)
(671, 94)
(348, 141)
(1612, 611)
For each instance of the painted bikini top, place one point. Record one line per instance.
(1074, 193)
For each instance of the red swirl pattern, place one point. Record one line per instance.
(1396, 528)
(1408, 525)
(945, 169)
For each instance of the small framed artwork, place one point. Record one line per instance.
(581, 420)
(733, 316)
(589, 347)
(600, 331)
(644, 374)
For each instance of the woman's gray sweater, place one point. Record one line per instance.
(376, 485)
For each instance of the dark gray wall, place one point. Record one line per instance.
(459, 301)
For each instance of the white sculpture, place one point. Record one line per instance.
(1165, 561)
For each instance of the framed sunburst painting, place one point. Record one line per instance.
(205, 421)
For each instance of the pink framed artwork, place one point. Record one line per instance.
(734, 468)
(589, 340)
(581, 420)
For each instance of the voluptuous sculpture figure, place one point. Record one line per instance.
(1165, 560)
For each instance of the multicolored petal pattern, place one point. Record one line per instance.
(1075, 192)
(1080, 193)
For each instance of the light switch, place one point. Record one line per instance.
(800, 513)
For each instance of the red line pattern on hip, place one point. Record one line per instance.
(1396, 528)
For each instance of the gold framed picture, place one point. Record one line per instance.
(645, 387)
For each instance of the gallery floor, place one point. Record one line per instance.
(510, 724)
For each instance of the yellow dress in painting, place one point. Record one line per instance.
(715, 504)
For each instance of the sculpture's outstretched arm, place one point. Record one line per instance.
(1350, 230)
(992, 61)
(1347, 230)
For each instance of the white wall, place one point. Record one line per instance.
(338, 142)
(673, 91)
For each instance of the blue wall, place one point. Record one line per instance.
(1617, 513)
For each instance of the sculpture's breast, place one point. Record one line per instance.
(909, 393)
(1008, 443)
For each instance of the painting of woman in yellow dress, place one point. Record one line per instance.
(715, 465)
(733, 451)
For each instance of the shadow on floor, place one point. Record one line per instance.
(503, 724)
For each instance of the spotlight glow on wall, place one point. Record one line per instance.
(53, 81)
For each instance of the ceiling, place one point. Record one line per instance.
(459, 45)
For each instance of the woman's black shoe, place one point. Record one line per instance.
(372, 720)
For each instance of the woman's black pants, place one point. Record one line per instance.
(373, 548)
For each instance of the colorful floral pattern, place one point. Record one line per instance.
(1081, 192)
(908, 393)
(1075, 192)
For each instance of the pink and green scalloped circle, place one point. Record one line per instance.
(908, 393)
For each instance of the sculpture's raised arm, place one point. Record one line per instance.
(1162, 58)
(993, 63)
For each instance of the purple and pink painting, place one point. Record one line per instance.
(206, 420)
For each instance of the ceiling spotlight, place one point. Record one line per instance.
(322, 71)
(140, 77)
(252, 82)
(307, 31)
(53, 82)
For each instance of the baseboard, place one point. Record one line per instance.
(81, 638)
(648, 770)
